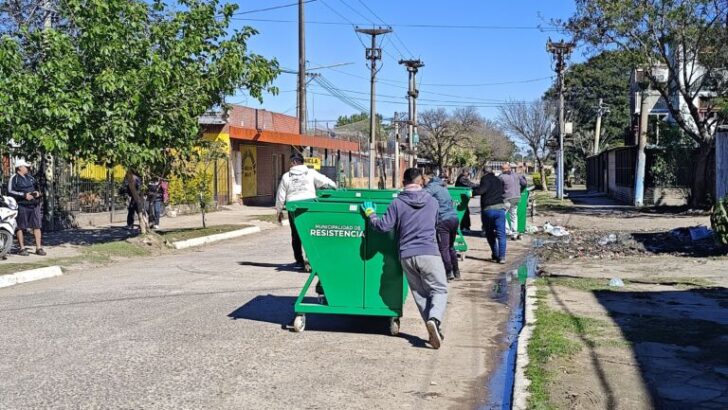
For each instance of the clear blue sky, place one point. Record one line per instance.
(511, 49)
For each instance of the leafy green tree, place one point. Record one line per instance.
(688, 38)
(123, 81)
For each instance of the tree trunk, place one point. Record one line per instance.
(137, 198)
(544, 179)
(699, 189)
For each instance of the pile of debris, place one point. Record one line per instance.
(588, 244)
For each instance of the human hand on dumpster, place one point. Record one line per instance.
(369, 208)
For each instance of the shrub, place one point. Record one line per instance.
(719, 220)
(537, 179)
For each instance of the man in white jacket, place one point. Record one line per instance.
(298, 184)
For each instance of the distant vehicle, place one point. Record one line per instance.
(8, 214)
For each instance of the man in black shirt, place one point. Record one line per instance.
(24, 188)
(493, 208)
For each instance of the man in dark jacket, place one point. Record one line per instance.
(413, 214)
(24, 189)
(447, 225)
(494, 213)
(131, 208)
(464, 181)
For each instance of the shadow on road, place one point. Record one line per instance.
(279, 310)
(670, 243)
(87, 236)
(279, 267)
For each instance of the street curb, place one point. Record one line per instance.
(204, 240)
(30, 275)
(521, 382)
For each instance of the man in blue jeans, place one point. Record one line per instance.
(493, 207)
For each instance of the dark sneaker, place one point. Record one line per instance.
(23, 252)
(40, 252)
(433, 328)
(456, 274)
(450, 276)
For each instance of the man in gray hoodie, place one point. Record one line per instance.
(413, 215)
(512, 185)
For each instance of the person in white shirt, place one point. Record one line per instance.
(298, 184)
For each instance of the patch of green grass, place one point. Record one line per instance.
(97, 254)
(547, 201)
(175, 235)
(556, 335)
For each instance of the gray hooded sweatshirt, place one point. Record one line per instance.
(413, 214)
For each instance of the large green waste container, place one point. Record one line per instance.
(461, 200)
(523, 211)
(358, 267)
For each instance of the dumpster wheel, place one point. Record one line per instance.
(299, 323)
(394, 326)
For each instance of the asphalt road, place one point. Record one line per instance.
(207, 328)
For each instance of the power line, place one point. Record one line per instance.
(356, 11)
(383, 22)
(436, 26)
(282, 6)
(474, 100)
(454, 104)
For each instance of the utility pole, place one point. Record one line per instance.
(639, 179)
(412, 67)
(301, 106)
(395, 172)
(47, 161)
(601, 110)
(373, 54)
(560, 51)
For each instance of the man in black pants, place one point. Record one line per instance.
(447, 226)
(24, 189)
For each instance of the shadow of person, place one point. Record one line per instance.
(279, 267)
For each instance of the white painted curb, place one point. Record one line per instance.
(30, 275)
(203, 240)
(520, 382)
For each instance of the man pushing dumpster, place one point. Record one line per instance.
(413, 215)
(298, 184)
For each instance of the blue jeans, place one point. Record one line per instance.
(494, 224)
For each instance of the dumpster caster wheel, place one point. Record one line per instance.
(299, 323)
(394, 326)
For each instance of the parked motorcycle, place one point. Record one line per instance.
(8, 214)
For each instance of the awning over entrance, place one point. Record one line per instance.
(277, 137)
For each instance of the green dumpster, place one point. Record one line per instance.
(358, 267)
(523, 211)
(358, 194)
(461, 200)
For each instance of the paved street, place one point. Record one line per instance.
(207, 329)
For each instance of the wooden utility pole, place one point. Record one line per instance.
(373, 54)
(301, 101)
(560, 51)
(601, 110)
(412, 67)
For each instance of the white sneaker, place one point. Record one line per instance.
(435, 338)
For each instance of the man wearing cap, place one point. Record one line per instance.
(512, 185)
(298, 184)
(24, 189)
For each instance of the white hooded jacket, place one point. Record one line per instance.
(300, 183)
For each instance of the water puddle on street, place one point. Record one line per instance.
(510, 290)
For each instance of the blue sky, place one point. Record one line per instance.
(510, 50)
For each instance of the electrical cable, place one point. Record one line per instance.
(282, 6)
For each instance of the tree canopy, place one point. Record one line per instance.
(120, 81)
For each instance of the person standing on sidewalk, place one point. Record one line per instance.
(512, 185)
(463, 181)
(24, 189)
(447, 225)
(494, 213)
(298, 184)
(131, 208)
(413, 214)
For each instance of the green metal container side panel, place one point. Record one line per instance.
(461, 200)
(359, 268)
(523, 211)
(333, 237)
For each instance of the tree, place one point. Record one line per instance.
(688, 38)
(443, 133)
(123, 81)
(359, 123)
(530, 123)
